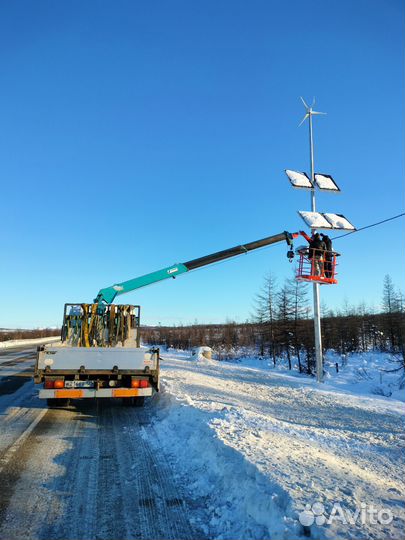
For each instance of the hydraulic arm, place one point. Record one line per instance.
(108, 294)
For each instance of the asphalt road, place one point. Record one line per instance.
(81, 472)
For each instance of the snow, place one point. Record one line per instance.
(200, 353)
(326, 182)
(339, 222)
(11, 343)
(372, 373)
(254, 445)
(298, 179)
(315, 220)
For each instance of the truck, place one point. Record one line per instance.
(99, 356)
(100, 353)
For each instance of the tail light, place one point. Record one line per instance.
(59, 383)
(139, 383)
(48, 384)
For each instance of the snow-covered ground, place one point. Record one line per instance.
(258, 447)
(372, 373)
(16, 343)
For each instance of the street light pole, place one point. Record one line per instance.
(316, 220)
(316, 292)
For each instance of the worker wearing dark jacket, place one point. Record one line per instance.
(328, 241)
(328, 255)
(317, 249)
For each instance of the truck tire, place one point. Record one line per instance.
(134, 401)
(54, 403)
(139, 401)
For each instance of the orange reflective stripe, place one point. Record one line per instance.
(69, 393)
(125, 392)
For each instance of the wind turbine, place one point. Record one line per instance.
(309, 110)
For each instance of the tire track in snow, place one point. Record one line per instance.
(87, 473)
(168, 501)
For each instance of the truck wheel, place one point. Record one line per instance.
(54, 403)
(134, 401)
(139, 401)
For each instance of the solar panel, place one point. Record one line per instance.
(299, 179)
(318, 220)
(315, 220)
(325, 182)
(338, 221)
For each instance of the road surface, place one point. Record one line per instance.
(83, 472)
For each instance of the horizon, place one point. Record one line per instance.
(345, 310)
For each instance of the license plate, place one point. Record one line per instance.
(79, 384)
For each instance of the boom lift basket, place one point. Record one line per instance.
(317, 266)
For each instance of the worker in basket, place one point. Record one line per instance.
(316, 254)
(328, 255)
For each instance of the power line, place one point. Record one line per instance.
(372, 225)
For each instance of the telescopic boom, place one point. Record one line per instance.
(108, 294)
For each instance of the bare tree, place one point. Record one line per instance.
(266, 313)
(391, 309)
(298, 292)
(284, 318)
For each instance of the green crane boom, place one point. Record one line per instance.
(108, 294)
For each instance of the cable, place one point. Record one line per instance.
(372, 225)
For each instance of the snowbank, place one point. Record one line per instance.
(231, 496)
(253, 446)
(13, 343)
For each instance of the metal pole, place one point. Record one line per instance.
(311, 160)
(317, 301)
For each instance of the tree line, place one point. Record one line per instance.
(5, 335)
(281, 328)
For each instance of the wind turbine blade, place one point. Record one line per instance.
(303, 120)
(303, 101)
(316, 112)
(313, 102)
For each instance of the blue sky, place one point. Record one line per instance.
(138, 134)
